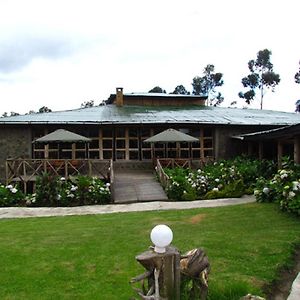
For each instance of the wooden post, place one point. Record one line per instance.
(279, 154)
(260, 150)
(126, 143)
(250, 148)
(297, 150)
(170, 272)
(46, 151)
(100, 143)
(163, 272)
(73, 156)
(90, 167)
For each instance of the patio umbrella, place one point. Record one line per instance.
(62, 135)
(171, 135)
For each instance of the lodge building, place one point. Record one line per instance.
(118, 128)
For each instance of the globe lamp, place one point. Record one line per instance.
(161, 236)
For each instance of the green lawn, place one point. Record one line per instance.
(93, 257)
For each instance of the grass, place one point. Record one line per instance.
(93, 257)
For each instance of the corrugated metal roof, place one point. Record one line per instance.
(286, 132)
(128, 114)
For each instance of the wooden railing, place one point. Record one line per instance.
(26, 170)
(112, 180)
(175, 162)
(163, 177)
(162, 163)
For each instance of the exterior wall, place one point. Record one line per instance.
(126, 143)
(226, 147)
(15, 142)
(163, 101)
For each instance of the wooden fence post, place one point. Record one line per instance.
(164, 274)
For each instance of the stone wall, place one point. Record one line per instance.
(14, 142)
(225, 146)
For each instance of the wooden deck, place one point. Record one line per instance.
(127, 184)
(26, 170)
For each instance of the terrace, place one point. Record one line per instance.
(26, 171)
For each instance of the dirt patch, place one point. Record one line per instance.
(196, 219)
(280, 289)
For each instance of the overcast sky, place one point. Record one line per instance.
(60, 53)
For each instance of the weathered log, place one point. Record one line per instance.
(252, 297)
(141, 277)
(195, 267)
(164, 270)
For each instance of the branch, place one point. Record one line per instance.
(141, 277)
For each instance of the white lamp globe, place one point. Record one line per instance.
(161, 236)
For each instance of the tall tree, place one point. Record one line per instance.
(44, 109)
(297, 75)
(297, 80)
(207, 84)
(157, 89)
(180, 89)
(297, 106)
(86, 104)
(261, 77)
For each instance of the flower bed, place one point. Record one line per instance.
(10, 195)
(55, 191)
(283, 188)
(234, 178)
(231, 178)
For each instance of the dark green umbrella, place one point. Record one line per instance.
(62, 135)
(170, 136)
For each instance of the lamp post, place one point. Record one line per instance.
(165, 267)
(162, 263)
(161, 236)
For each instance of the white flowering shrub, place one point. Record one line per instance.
(283, 188)
(231, 178)
(10, 195)
(181, 185)
(81, 190)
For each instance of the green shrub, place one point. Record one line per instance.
(223, 179)
(234, 189)
(10, 195)
(283, 188)
(180, 188)
(90, 190)
(81, 190)
(47, 190)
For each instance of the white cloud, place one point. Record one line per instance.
(61, 53)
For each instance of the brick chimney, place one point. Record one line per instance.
(119, 96)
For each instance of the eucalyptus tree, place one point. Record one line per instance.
(297, 80)
(261, 77)
(157, 89)
(86, 104)
(180, 89)
(207, 84)
(44, 109)
(297, 75)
